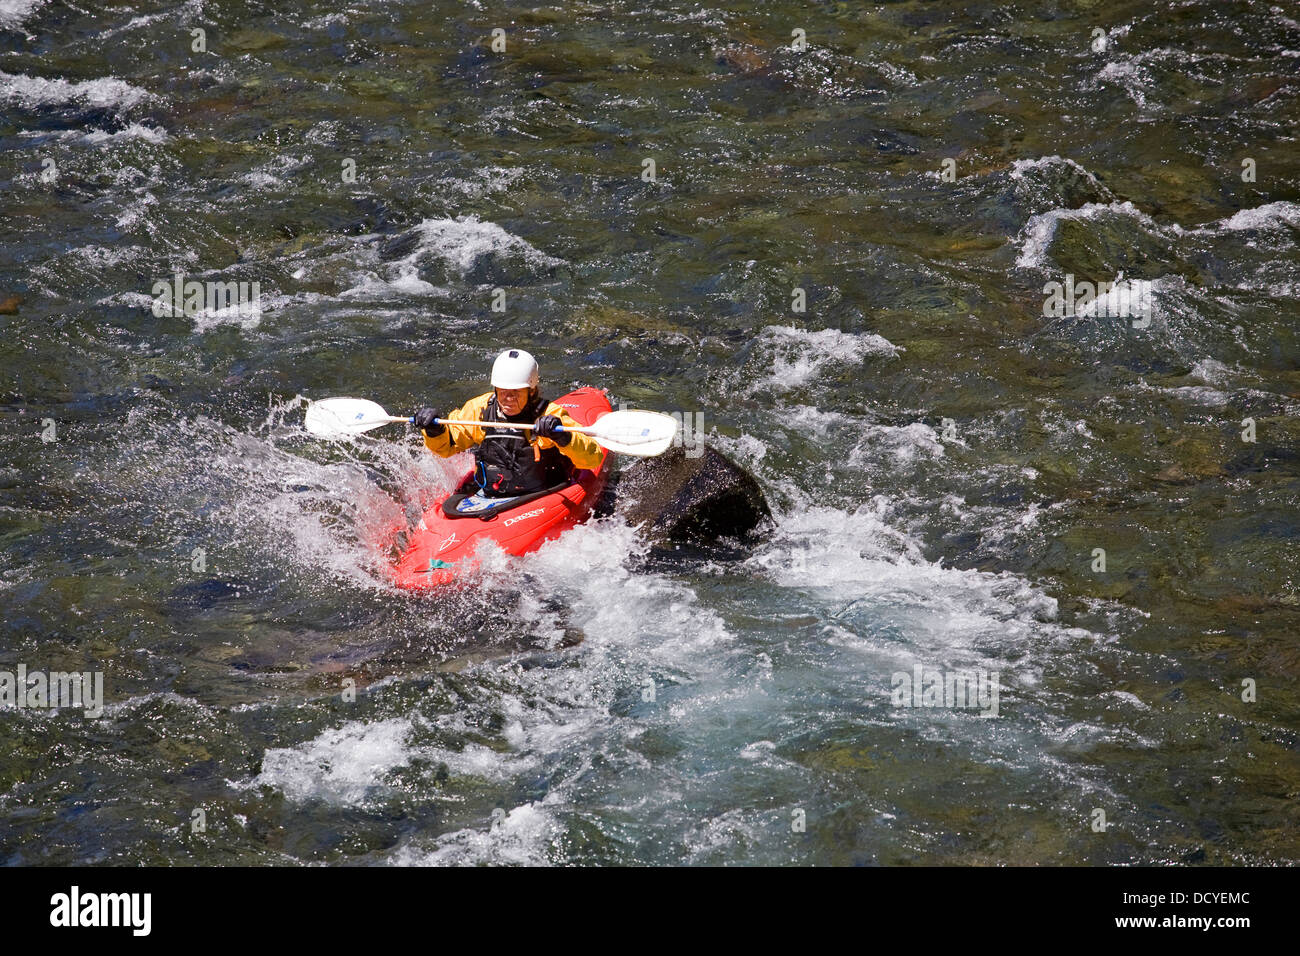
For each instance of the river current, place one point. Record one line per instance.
(857, 245)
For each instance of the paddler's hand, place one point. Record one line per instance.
(545, 427)
(425, 421)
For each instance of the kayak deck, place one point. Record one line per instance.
(442, 549)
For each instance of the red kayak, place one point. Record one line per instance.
(442, 546)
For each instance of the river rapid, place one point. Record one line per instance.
(836, 266)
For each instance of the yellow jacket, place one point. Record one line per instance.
(582, 450)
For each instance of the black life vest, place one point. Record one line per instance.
(505, 463)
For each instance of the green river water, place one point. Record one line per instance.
(943, 460)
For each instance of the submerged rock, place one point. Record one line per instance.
(679, 499)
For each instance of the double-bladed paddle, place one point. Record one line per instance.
(628, 432)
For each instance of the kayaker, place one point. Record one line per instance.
(510, 462)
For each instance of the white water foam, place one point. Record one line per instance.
(1219, 387)
(1133, 74)
(730, 835)
(1025, 171)
(347, 765)
(344, 765)
(246, 317)
(14, 13)
(906, 444)
(458, 242)
(900, 610)
(638, 626)
(189, 11)
(1212, 372)
(817, 422)
(101, 257)
(519, 838)
(1039, 232)
(863, 557)
(136, 132)
(404, 281)
(1274, 215)
(325, 22)
(483, 182)
(1125, 298)
(462, 241)
(1130, 75)
(137, 212)
(105, 93)
(270, 175)
(800, 355)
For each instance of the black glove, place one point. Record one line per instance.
(424, 420)
(545, 427)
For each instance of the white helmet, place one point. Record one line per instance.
(514, 368)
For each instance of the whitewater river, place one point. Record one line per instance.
(1094, 512)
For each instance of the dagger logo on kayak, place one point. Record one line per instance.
(526, 514)
(447, 544)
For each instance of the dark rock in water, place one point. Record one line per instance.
(679, 499)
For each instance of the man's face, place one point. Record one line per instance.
(512, 400)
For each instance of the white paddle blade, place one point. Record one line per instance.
(628, 432)
(341, 417)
